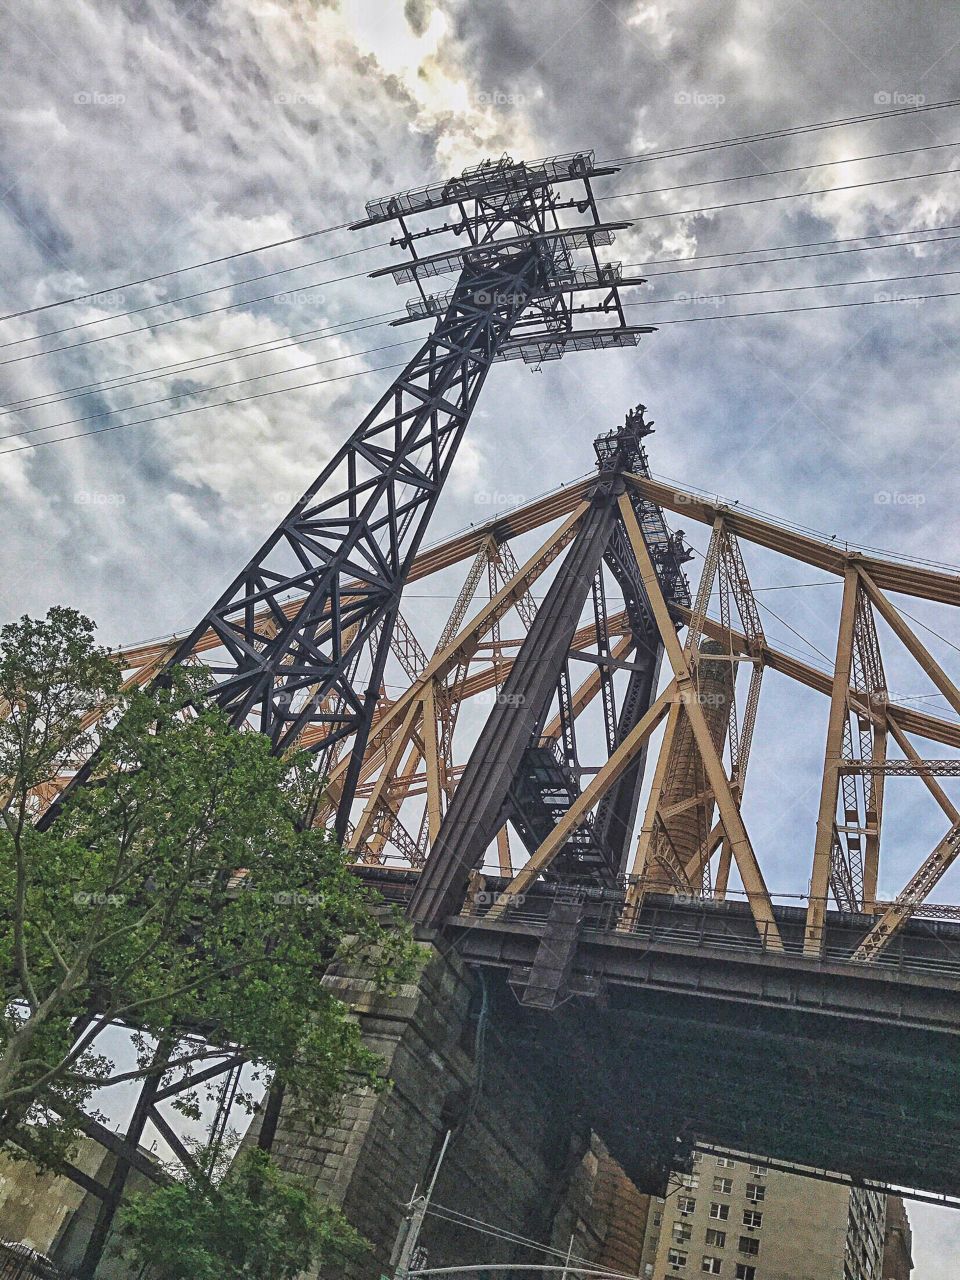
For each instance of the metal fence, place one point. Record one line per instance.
(20, 1262)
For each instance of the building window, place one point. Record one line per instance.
(752, 1218)
(657, 1219)
(697, 1157)
(690, 1180)
(716, 1238)
(677, 1258)
(681, 1232)
(723, 1185)
(710, 1265)
(758, 1170)
(720, 1211)
(749, 1244)
(744, 1272)
(724, 1163)
(686, 1204)
(755, 1192)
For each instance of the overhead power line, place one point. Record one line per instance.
(179, 413)
(800, 288)
(277, 373)
(32, 355)
(310, 335)
(161, 324)
(793, 131)
(803, 244)
(789, 195)
(189, 297)
(179, 368)
(314, 262)
(200, 391)
(771, 173)
(646, 158)
(176, 271)
(786, 311)
(830, 306)
(790, 257)
(306, 336)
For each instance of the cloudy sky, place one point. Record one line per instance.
(142, 136)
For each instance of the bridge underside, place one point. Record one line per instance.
(682, 1031)
(645, 1067)
(687, 1027)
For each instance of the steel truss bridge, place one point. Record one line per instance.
(492, 781)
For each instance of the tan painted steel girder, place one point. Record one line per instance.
(890, 575)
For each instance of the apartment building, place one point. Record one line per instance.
(734, 1217)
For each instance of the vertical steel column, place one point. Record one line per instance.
(93, 1253)
(474, 816)
(827, 816)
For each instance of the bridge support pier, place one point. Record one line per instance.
(519, 1155)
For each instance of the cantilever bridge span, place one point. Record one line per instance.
(554, 786)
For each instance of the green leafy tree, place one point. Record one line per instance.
(255, 1225)
(175, 893)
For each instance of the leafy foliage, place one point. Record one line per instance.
(256, 1225)
(176, 891)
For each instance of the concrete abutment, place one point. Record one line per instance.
(520, 1155)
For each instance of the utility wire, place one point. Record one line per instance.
(770, 173)
(803, 244)
(798, 288)
(189, 297)
(933, 633)
(266, 275)
(179, 367)
(179, 413)
(220, 386)
(791, 257)
(196, 315)
(787, 311)
(353, 275)
(283, 341)
(344, 327)
(769, 135)
(789, 195)
(300, 386)
(801, 638)
(277, 373)
(176, 271)
(667, 153)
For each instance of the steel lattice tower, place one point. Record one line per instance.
(293, 625)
